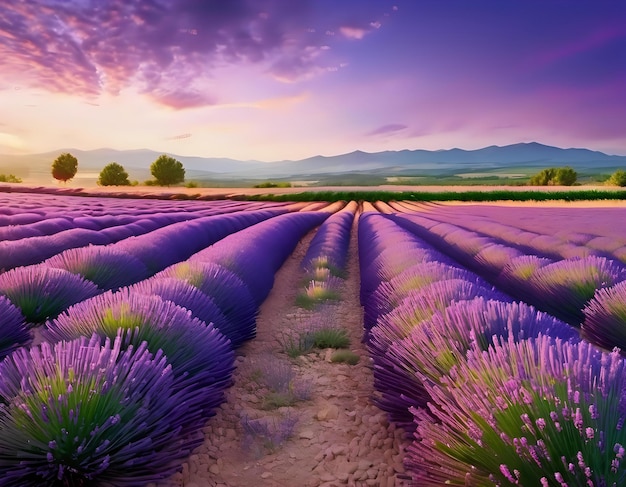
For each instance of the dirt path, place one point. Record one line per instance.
(339, 437)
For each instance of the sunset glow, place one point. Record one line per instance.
(282, 79)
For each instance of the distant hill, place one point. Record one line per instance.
(388, 163)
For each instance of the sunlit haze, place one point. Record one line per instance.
(289, 79)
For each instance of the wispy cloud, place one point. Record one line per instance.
(389, 129)
(159, 47)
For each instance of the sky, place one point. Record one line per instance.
(289, 79)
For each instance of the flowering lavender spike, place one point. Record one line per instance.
(542, 408)
(605, 318)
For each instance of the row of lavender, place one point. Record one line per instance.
(30, 235)
(555, 233)
(495, 391)
(123, 381)
(586, 292)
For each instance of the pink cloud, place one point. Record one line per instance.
(353, 32)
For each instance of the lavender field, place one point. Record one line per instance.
(494, 333)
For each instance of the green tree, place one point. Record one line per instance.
(554, 176)
(565, 176)
(11, 178)
(618, 178)
(167, 171)
(64, 167)
(113, 174)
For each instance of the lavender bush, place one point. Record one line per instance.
(266, 435)
(535, 412)
(189, 297)
(564, 288)
(201, 357)
(105, 266)
(440, 343)
(13, 330)
(226, 289)
(80, 413)
(42, 292)
(605, 318)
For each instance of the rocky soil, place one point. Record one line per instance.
(338, 437)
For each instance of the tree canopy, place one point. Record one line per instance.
(64, 167)
(113, 174)
(167, 171)
(618, 178)
(554, 176)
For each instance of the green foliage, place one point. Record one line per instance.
(270, 184)
(386, 196)
(167, 171)
(113, 174)
(316, 293)
(330, 338)
(11, 178)
(345, 356)
(192, 184)
(64, 167)
(618, 178)
(554, 176)
(275, 400)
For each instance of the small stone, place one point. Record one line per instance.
(343, 477)
(307, 434)
(266, 475)
(346, 467)
(327, 413)
(339, 449)
(250, 398)
(327, 477)
(214, 469)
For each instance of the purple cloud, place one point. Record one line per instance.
(392, 128)
(92, 47)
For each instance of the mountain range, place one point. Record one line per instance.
(387, 163)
